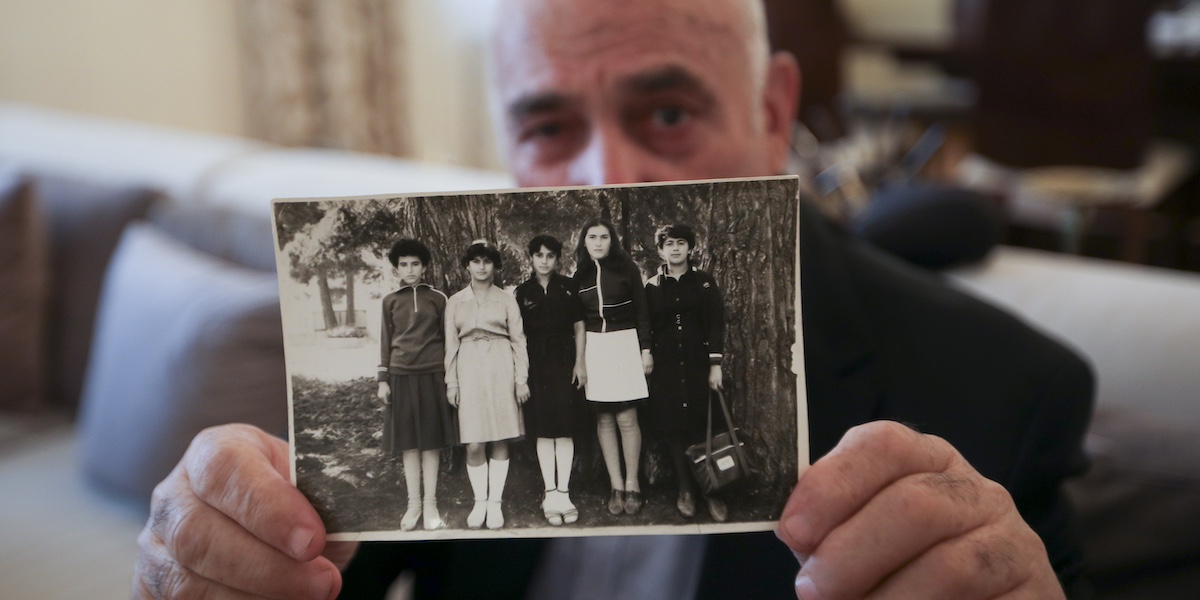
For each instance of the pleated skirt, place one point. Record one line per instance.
(418, 416)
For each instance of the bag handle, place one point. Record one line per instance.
(737, 445)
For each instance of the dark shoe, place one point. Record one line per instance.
(616, 503)
(686, 504)
(717, 509)
(633, 502)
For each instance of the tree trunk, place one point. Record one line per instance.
(447, 225)
(326, 299)
(753, 241)
(350, 273)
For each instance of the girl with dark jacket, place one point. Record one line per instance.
(616, 354)
(687, 317)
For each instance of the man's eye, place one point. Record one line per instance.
(548, 130)
(542, 130)
(670, 116)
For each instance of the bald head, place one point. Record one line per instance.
(733, 25)
(616, 91)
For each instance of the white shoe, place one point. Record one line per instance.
(409, 521)
(552, 508)
(570, 514)
(433, 519)
(478, 514)
(495, 518)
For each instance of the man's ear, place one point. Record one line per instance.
(781, 97)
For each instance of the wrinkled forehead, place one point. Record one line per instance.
(547, 45)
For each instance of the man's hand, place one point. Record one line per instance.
(892, 513)
(227, 523)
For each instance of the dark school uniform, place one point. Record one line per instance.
(413, 350)
(549, 315)
(687, 323)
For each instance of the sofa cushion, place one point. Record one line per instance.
(56, 143)
(24, 280)
(251, 182)
(237, 236)
(185, 341)
(85, 221)
(1138, 506)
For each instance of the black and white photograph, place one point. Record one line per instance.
(547, 362)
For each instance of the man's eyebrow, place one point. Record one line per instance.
(670, 78)
(533, 104)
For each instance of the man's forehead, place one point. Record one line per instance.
(561, 39)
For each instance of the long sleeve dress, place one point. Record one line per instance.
(687, 318)
(549, 315)
(486, 359)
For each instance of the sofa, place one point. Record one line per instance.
(138, 265)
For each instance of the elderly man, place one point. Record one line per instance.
(653, 90)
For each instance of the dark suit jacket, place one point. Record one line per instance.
(881, 341)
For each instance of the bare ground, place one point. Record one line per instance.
(357, 487)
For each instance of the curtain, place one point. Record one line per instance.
(326, 74)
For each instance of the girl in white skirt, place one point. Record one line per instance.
(486, 378)
(616, 355)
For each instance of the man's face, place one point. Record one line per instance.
(626, 91)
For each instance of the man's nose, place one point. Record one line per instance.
(610, 157)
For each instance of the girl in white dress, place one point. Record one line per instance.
(486, 378)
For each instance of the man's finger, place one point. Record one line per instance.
(868, 458)
(156, 576)
(903, 521)
(1004, 559)
(242, 472)
(214, 547)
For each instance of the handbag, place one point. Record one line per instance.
(722, 459)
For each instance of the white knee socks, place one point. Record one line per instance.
(479, 484)
(497, 475)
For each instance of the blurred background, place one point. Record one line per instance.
(141, 142)
(1003, 94)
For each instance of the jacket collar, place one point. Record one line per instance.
(414, 287)
(662, 270)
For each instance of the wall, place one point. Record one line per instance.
(172, 62)
(175, 62)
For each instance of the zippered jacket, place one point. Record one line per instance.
(614, 300)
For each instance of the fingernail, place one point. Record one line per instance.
(805, 589)
(322, 585)
(299, 541)
(798, 530)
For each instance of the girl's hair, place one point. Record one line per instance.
(408, 247)
(617, 258)
(550, 242)
(480, 248)
(678, 231)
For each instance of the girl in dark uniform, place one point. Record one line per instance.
(616, 353)
(418, 421)
(554, 334)
(688, 323)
